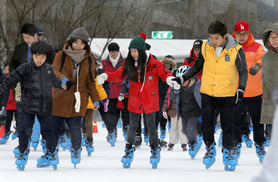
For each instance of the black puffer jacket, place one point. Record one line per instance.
(36, 87)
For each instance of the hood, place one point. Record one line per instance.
(170, 61)
(249, 41)
(271, 28)
(192, 54)
(231, 42)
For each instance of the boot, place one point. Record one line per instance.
(155, 157)
(43, 144)
(15, 135)
(237, 151)
(228, 159)
(75, 156)
(22, 160)
(128, 157)
(5, 138)
(83, 139)
(162, 134)
(63, 142)
(193, 150)
(209, 157)
(199, 142)
(220, 140)
(53, 158)
(125, 134)
(146, 137)
(171, 146)
(89, 146)
(260, 150)
(183, 146)
(111, 138)
(247, 141)
(16, 152)
(43, 161)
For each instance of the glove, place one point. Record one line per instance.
(96, 104)
(121, 97)
(239, 96)
(77, 102)
(165, 115)
(254, 69)
(69, 84)
(102, 78)
(105, 103)
(120, 105)
(2, 110)
(64, 80)
(172, 83)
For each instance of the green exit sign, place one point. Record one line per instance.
(162, 34)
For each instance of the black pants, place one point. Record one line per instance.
(250, 106)
(113, 115)
(135, 119)
(160, 120)
(226, 107)
(10, 114)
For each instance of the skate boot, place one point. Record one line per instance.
(183, 146)
(43, 161)
(89, 146)
(111, 138)
(54, 159)
(162, 143)
(83, 143)
(63, 142)
(247, 141)
(128, 157)
(75, 156)
(125, 134)
(209, 157)
(266, 143)
(35, 145)
(15, 135)
(171, 147)
(146, 138)
(138, 141)
(16, 152)
(155, 157)
(228, 159)
(43, 144)
(199, 142)
(193, 150)
(162, 134)
(103, 125)
(35, 137)
(169, 127)
(220, 140)
(22, 160)
(119, 124)
(237, 151)
(260, 150)
(5, 138)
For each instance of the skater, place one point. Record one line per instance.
(143, 72)
(222, 54)
(37, 78)
(75, 65)
(252, 98)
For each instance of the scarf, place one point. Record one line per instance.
(77, 56)
(114, 61)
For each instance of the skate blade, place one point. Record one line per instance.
(209, 165)
(229, 168)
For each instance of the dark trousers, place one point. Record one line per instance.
(250, 106)
(160, 120)
(10, 114)
(114, 115)
(25, 129)
(74, 124)
(226, 107)
(135, 120)
(189, 127)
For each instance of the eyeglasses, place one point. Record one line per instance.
(242, 34)
(273, 38)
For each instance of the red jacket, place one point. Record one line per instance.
(144, 97)
(11, 102)
(190, 61)
(115, 87)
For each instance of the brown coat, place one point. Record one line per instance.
(172, 110)
(64, 101)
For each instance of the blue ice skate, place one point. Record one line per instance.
(209, 157)
(155, 157)
(266, 143)
(237, 151)
(15, 135)
(43, 161)
(43, 144)
(16, 152)
(89, 146)
(162, 134)
(229, 161)
(119, 124)
(193, 150)
(125, 134)
(5, 138)
(22, 160)
(83, 143)
(103, 125)
(35, 138)
(111, 138)
(128, 157)
(260, 151)
(169, 127)
(146, 138)
(75, 156)
(63, 142)
(199, 142)
(220, 140)
(54, 159)
(247, 141)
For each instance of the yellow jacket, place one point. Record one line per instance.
(220, 75)
(102, 95)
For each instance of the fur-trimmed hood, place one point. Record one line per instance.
(170, 61)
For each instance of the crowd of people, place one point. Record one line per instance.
(227, 81)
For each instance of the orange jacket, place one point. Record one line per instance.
(253, 54)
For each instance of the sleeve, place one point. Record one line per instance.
(242, 69)
(14, 63)
(124, 86)
(196, 68)
(101, 92)
(56, 65)
(116, 75)
(162, 72)
(260, 52)
(91, 84)
(56, 82)
(164, 107)
(50, 55)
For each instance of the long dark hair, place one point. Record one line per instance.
(131, 71)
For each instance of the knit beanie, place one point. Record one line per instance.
(137, 42)
(113, 47)
(242, 26)
(80, 33)
(197, 44)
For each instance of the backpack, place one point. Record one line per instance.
(90, 63)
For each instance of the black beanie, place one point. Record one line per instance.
(113, 47)
(197, 44)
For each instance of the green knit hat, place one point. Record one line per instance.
(137, 42)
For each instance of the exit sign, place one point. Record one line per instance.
(162, 34)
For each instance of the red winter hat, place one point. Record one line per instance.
(242, 26)
(143, 35)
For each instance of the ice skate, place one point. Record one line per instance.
(5, 138)
(89, 146)
(209, 157)
(247, 141)
(128, 157)
(155, 157)
(260, 151)
(229, 161)
(75, 156)
(22, 160)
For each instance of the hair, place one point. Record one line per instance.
(40, 47)
(217, 27)
(6, 64)
(29, 29)
(129, 67)
(69, 42)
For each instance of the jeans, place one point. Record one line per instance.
(189, 128)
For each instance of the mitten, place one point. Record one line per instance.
(254, 69)
(165, 115)
(239, 96)
(172, 83)
(102, 78)
(121, 97)
(105, 103)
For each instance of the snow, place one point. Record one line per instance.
(105, 165)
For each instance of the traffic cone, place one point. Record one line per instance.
(95, 130)
(2, 131)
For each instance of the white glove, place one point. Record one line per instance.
(77, 101)
(102, 78)
(2, 110)
(165, 115)
(172, 83)
(121, 97)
